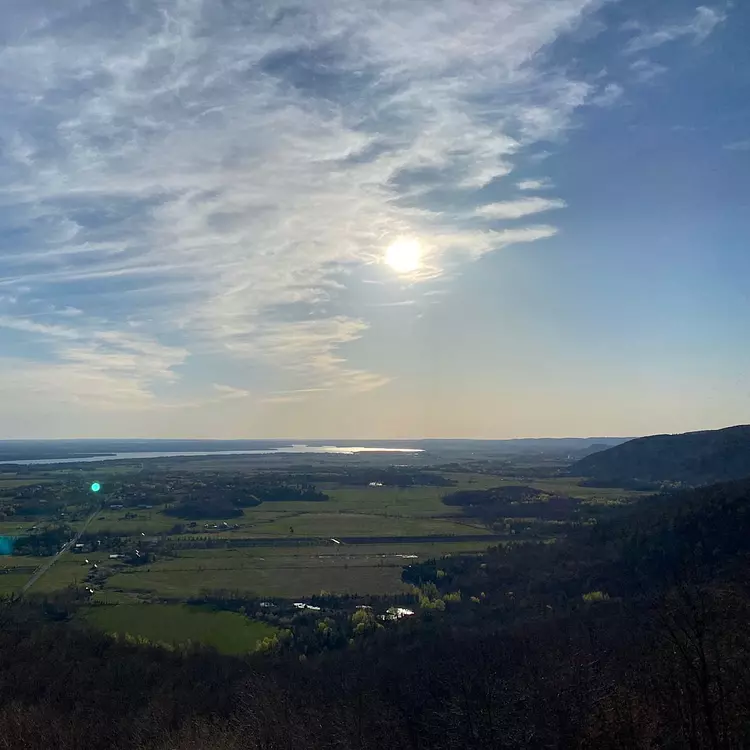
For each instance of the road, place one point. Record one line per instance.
(44, 567)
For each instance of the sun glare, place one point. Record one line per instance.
(404, 255)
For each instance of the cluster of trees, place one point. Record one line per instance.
(225, 497)
(274, 490)
(45, 542)
(200, 508)
(33, 501)
(498, 503)
(333, 622)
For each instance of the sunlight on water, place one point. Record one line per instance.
(340, 450)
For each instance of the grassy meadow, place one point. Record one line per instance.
(289, 572)
(284, 549)
(175, 624)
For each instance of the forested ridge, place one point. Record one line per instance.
(691, 458)
(630, 634)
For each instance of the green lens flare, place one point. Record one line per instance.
(95, 487)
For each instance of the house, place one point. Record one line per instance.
(396, 613)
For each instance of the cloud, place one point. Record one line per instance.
(293, 396)
(72, 385)
(526, 234)
(646, 70)
(698, 29)
(69, 312)
(543, 184)
(517, 209)
(608, 96)
(99, 367)
(400, 303)
(30, 326)
(228, 391)
(202, 182)
(738, 146)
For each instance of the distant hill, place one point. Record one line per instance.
(573, 447)
(692, 458)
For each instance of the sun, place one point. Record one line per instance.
(404, 254)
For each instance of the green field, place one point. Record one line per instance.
(288, 582)
(148, 521)
(569, 486)
(11, 482)
(284, 572)
(280, 568)
(280, 550)
(69, 570)
(340, 523)
(12, 582)
(228, 632)
(15, 571)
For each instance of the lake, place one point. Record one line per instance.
(136, 455)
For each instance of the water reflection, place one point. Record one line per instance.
(341, 450)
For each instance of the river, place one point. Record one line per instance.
(335, 449)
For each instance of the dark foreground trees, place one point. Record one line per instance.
(671, 673)
(528, 659)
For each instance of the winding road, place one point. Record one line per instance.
(44, 567)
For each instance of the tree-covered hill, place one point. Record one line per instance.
(692, 458)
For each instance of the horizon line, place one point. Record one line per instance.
(331, 441)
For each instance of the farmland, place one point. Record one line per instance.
(290, 572)
(164, 533)
(227, 632)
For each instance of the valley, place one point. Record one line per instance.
(170, 531)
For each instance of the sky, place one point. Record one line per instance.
(373, 218)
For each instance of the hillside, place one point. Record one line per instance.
(702, 533)
(692, 458)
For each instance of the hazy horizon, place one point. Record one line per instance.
(315, 218)
(302, 440)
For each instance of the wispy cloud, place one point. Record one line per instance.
(519, 208)
(293, 396)
(208, 173)
(101, 367)
(400, 303)
(738, 146)
(526, 234)
(30, 326)
(543, 184)
(697, 29)
(609, 95)
(228, 391)
(646, 70)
